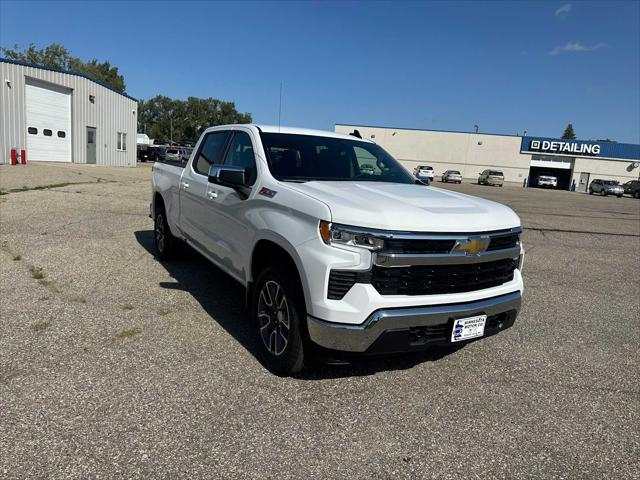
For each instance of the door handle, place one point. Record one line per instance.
(184, 185)
(212, 194)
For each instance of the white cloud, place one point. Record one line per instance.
(566, 8)
(576, 47)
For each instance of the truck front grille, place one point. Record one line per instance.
(441, 279)
(504, 241)
(397, 245)
(424, 279)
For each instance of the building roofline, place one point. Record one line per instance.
(68, 72)
(426, 130)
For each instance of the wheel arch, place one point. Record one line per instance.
(272, 249)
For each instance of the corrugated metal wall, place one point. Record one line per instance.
(111, 113)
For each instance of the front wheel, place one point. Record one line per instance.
(277, 310)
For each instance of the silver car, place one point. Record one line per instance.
(606, 187)
(451, 176)
(173, 154)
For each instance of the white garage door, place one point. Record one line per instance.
(48, 123)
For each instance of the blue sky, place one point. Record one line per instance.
(507, 67)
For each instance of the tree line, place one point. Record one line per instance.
(184, 120)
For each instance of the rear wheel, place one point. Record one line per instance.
(590, 192)
(636, 195)
(277, 310)
(166, 244)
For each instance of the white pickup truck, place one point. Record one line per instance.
(339, 247)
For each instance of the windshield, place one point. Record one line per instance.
(496, 172)
(454, 172)
(302, 158)
(610, 182)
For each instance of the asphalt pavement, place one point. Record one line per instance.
(114, 365)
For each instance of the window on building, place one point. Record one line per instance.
(61, 134)
(92, 98)
(122, 141)
(47, 132)
(32, 130)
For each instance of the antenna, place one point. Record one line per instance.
(280, 108)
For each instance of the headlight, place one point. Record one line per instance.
(333, 234)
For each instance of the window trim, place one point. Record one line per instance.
(32, 128)
(201, 146)
(64, 134)
(122, 140)
(44, 132)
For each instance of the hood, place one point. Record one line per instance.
(416, 208)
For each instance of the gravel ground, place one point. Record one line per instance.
(115, 365)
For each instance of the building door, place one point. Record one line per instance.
(584, 182)
(91, 145)
(48, 115)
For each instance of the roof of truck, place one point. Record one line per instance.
(306, 131)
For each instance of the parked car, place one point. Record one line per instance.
(491, 177)
(174, 154)
(367, 169)
(606, 187)
(632, 187)
(151, 154)
(317, 251)
(185, 153)
(451, 176)
(423, 172)
(547, 180)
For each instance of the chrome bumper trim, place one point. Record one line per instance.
(358, 338)
(383, 259)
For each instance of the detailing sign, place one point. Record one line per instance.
(559, 146)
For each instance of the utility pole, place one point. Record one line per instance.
(476, 127)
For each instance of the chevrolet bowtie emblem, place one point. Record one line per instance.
(471, 245)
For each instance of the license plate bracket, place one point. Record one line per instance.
(468, 328)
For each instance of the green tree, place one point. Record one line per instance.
(57, 56)
(569, 134)
(184, 120)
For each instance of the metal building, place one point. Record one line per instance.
(62, 116)
(573, 162)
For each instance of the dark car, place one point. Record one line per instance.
(152, 154)
(632, 187)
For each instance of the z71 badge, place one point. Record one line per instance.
(267, 192)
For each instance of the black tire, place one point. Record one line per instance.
(619, 196)
(167, 245)
(636, 195)
(277, 311)
(590, 192)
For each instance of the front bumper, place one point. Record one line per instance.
(413, 328)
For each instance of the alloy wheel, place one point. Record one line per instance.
(159, 231)
(273, 317)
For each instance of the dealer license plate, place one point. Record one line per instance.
(467, 328)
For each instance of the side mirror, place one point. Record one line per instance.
(227, 175)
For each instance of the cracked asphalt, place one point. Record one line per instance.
(113, 365)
